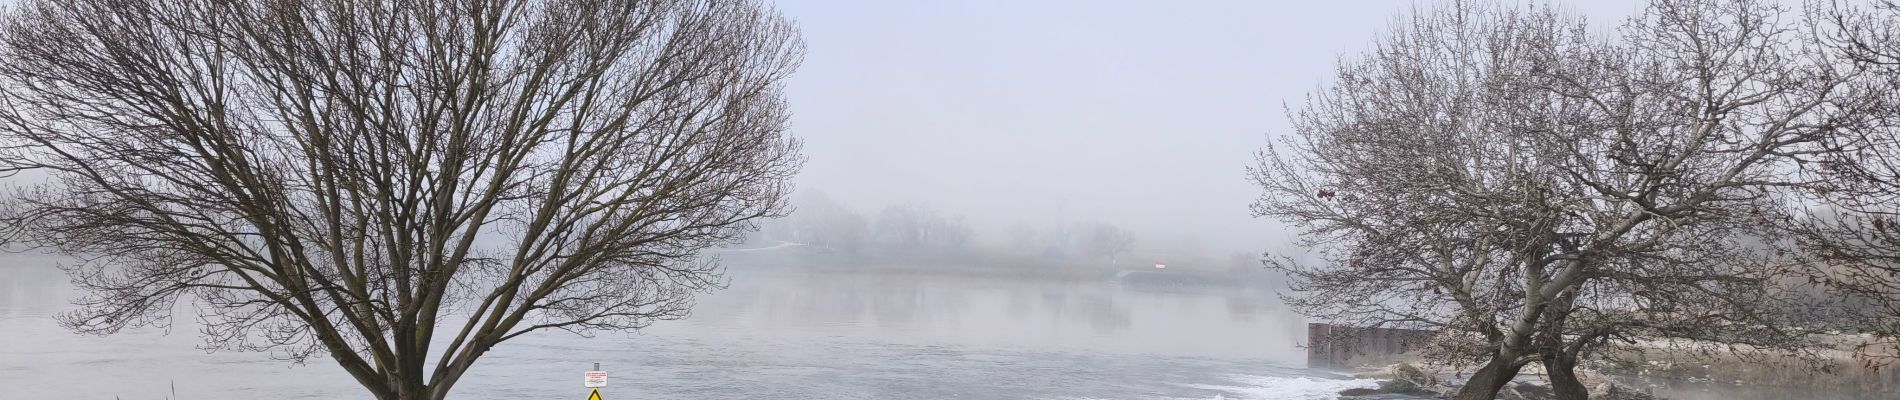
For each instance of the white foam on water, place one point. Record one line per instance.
(1252, 387)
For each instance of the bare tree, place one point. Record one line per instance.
(1537, 192)
(1101, 240)
(1388, 167)
(824, 222)
(1862, 32)
(916, 228)
(1849, 226)
(345, 177)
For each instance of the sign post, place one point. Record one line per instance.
(594, 379)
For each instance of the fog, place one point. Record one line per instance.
(774, 332)
(999, 199)
(1140, 114)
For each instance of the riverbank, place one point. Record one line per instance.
(1406, 381)
(1835, 368)
(1663, 372)
(821, 259)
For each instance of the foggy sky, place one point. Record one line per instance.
(1139, 113)
(1143, 114)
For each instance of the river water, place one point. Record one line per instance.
(773, 334)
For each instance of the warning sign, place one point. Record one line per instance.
(595, 379)
(595, 396)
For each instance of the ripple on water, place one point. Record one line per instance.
(1254, 387)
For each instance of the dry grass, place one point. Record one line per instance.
(1838, 371)
(1835, 369)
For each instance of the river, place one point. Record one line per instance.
(773, 334)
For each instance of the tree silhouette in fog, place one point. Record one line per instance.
(373, 180)
(1851, 231)
(1541, 193)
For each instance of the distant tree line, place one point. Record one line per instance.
(918, 232)
(1543, 192)
(398, 186)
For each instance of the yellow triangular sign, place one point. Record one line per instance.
(595, 396)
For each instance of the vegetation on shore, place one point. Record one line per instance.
(1544, 193)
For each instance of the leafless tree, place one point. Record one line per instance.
(1536, 191)
(1103, 241)
(919, 229)
(1091, 241)
(347, 177)
(1862, 31)
(824, 222)
(1849, 227)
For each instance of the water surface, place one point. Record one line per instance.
(773, 334)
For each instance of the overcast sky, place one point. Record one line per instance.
(1140, 113)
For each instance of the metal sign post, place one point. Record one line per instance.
(594, 379)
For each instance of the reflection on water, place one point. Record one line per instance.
(782, 334)
(1086, 316)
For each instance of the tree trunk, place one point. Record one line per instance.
(1485, 384)
(426, 394)
(1563, 377)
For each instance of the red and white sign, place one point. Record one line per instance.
(595, 379)
(1161, 266)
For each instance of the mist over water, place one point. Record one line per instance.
(779, 332)
(773, 333)
(990, 192)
